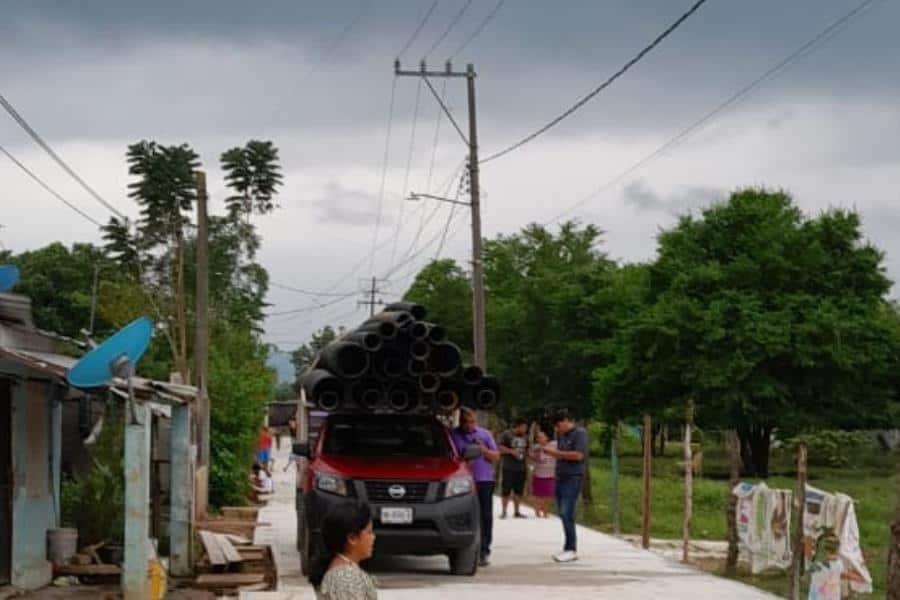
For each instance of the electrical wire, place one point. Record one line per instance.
(810, 46)
(46, 147)
(450, 27)
(310, 308)
(384, 167)
(52, 192)
(479, 29)
(290, 288)
(637, 58)
(418, 30)
(409, 157)
(341, 37)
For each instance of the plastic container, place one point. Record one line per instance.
(62, 545)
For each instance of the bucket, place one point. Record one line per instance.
(62, 545)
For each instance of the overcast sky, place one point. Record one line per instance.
(316, 78)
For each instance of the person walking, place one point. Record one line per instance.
(570, 454)
(543, 483)
(349, 539)
(264, 449)
(482, 470)
(513, 445)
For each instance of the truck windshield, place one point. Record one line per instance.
(376, 435)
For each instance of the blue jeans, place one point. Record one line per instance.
(567, 490)
(486, 503)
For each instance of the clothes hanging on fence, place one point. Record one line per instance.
(764, 525)
(823, 511)
(825, 580)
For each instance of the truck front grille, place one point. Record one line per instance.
(379, 491)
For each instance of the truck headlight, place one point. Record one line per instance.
(459, 486)
(331, 484)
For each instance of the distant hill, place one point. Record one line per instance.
(281, 362)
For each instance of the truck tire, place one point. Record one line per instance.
(465, 560)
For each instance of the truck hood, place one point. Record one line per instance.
(410, 468)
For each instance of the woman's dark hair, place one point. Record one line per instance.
(519, 421)
(342, 521)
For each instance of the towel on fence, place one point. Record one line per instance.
(822, 511)
(764, 525)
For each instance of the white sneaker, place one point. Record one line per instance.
(565, 556)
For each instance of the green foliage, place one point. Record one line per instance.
(240, 385)
(253, 172)
(833, 448)
(60, 283)
(94, 501)
(765, 318)
(445, 289)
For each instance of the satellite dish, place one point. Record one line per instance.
(115, 357)
(9, 275)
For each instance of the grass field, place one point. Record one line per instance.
(871, 480)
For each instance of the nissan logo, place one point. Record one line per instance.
(396, 491)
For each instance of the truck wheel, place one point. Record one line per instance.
(465, 561)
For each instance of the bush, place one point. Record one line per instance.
(832, 448)
(93, 502)
(240, 384)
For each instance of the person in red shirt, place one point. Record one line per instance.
(264, 448)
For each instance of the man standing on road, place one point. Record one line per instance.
(513, 446)
(570, 453)
(482, 470)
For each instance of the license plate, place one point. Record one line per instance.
(396, 516)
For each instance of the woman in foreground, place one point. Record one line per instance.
(348, 537)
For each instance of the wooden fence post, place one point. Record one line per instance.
(734, 455)
(800, 502)
(614, 476)
(646, 505)
(688, 481)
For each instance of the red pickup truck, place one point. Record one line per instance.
(405, 466)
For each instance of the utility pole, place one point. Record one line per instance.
(371, 302)
(479, 336)
(201, 346)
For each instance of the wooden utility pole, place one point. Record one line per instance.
(479, 334)
(734, 454)
(646, 505)
(688, 481)
(369, 296)
(800, 502)
(614, 477)
(201, 346)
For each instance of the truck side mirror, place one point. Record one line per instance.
(472, 452)
(301, 449)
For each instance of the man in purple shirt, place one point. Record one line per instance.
(482, 470)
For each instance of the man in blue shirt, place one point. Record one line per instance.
(570, 453)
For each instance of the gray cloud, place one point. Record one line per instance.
(679, 201)
(339, 205)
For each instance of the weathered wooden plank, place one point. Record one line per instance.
(228, 580)
(213, 550)
(231, 555)
(81, 570)
(237, 540)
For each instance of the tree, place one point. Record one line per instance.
(445, 289)
(303, 357)
(766, 319)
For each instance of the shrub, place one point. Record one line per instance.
(832, 448)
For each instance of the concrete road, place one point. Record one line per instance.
(522, 565)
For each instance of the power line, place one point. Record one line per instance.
(340, 37)
(290, 288)
(384, 167)
(479, 29)
(637, 58)
(834, 29)
(40, 142)
(418, 30)
(450, 27)
(312, 307)
(409, 156)
(53, 192)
